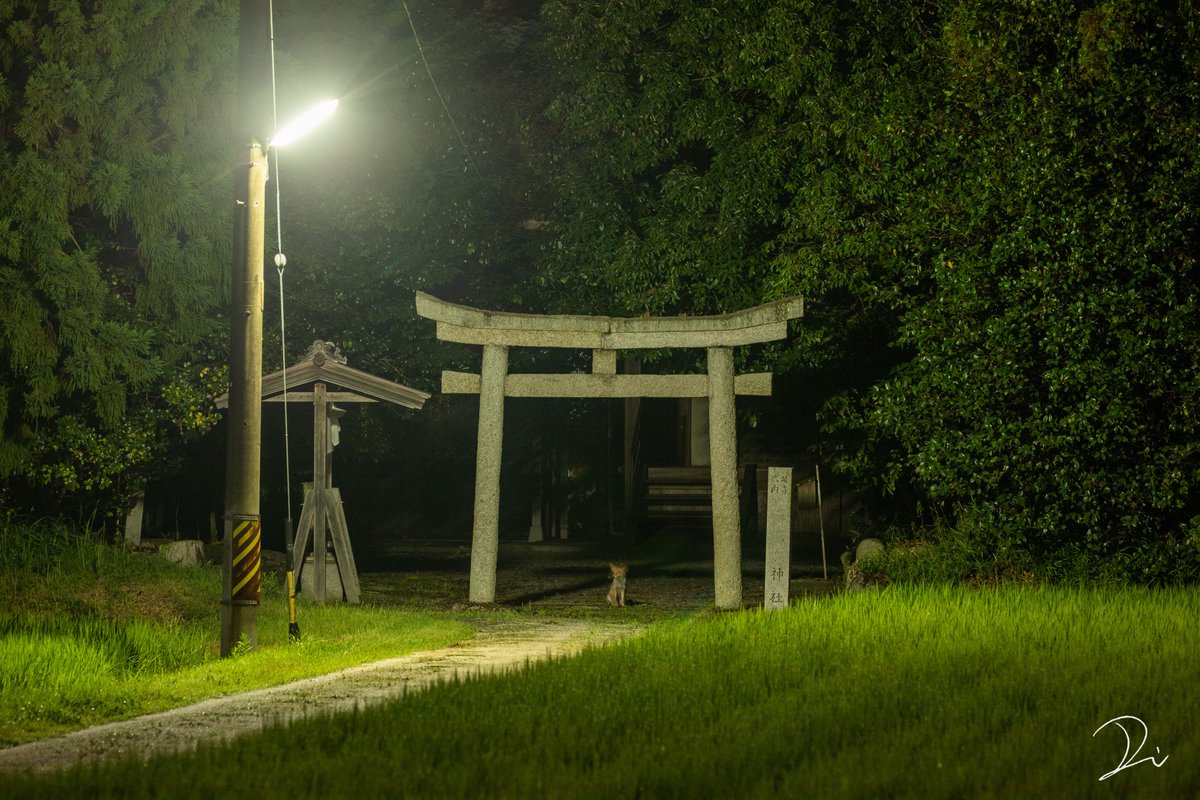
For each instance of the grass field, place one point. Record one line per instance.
(91, 634)
(922, 693)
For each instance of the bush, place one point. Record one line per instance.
(977, 549)
(990, 208)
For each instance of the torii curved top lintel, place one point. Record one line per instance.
(458, 323)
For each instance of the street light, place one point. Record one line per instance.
(243, 523)
(303, 124)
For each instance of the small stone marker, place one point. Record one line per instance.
(133, 520)
(868, 549)
(187, 552)
(779, 537)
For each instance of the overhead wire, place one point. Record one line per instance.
(441, 99)
(280, 263)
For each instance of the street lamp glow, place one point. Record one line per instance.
(303, 124)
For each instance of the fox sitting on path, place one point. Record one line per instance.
(616, 595)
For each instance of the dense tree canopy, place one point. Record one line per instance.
(1002, 194)
(118, 164)
(114, 169)
(1054, 387)
(989, 206)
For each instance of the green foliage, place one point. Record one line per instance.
(929, 693)
(1053, 388)
(712, 156)
(990, 208)
(965, 551)
(99, 468)
(113, 165)
(121, 648)
(78, 457)
(40, 547)
(977, 549)
(91, 633)
(187, 399)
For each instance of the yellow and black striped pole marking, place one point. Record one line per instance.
(247, 559)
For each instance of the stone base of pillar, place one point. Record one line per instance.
(334, 592)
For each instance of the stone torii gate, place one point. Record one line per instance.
(498, 331)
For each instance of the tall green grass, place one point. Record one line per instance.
(44, 546)
(91, 633)
(909, 692)
(129, 647)
(66, 672)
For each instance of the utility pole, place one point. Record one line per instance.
(243, 524)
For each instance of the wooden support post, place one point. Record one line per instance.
(722, 431)
(485, 539)
(320, 445)
(303, 529)
(347, 569)
(779, 538)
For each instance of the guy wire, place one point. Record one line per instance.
(280, 263)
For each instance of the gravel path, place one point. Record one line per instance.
(497, 648)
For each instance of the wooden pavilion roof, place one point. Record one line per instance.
(324, 363)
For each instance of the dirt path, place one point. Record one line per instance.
(498, 647)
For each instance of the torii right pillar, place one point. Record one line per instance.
(726, 516)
